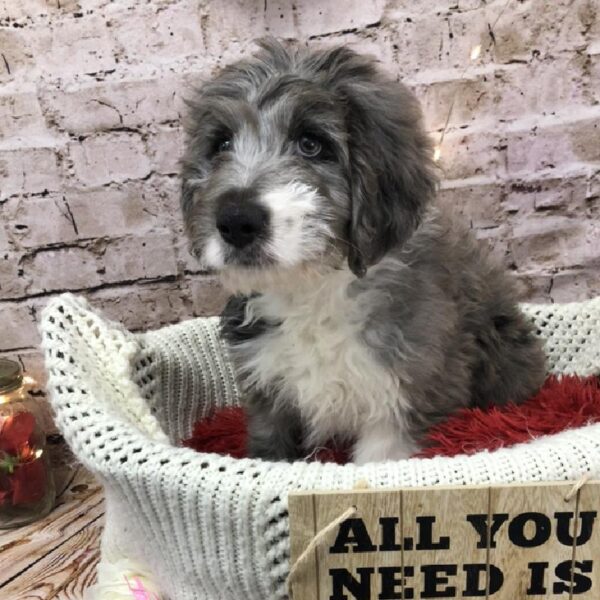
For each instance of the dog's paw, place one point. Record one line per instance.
(382, 441)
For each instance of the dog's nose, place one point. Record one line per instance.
(240, 220)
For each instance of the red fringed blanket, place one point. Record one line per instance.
(561, 404)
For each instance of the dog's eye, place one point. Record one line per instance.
(223, 144)
(309, 146)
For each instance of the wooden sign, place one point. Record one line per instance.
(508, 543)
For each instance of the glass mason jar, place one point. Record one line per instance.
(26, 484)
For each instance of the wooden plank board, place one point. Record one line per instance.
(437, 532)
(586, 571)
(511, 541)
(302, 531)
(55, 557)
(64, 573)
(349, 560)
(80, 504)
(524, 542)
(65, 465)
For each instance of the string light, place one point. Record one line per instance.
(27, 381)
(475, 52)
(474, 55)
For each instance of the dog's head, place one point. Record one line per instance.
(302, 159)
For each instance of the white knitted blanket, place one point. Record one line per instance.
(214, 528)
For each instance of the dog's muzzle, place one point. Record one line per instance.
(241, 219)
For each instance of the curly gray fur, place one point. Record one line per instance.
(423, 299)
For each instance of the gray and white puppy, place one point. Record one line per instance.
(362, 312)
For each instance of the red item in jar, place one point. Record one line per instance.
(29, 482)
(23, 476)
(16, 431)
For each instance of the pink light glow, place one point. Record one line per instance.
(138, 591)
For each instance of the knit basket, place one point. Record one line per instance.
(208, 527)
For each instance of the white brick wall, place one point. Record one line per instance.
(90, 105)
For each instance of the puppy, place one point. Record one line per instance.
(362, 313)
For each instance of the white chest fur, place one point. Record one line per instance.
(317, 359)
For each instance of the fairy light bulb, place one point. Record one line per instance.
(475, 52)
(437, 153)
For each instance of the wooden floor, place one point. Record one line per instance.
(55, 558)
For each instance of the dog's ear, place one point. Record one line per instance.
(392, 172)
